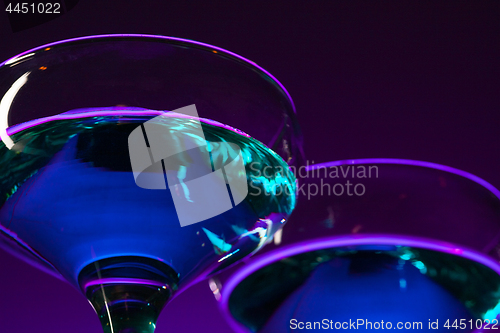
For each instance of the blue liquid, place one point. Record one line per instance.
(398, 284)
(68, 195)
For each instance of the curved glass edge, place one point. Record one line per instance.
(341, 241)
(111, 111)
(208, 47)
(424, 164)
(40, 263)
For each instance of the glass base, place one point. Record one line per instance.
(128, 308)
(128, 293)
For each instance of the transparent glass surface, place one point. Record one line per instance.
(375, 240)
(130, 166)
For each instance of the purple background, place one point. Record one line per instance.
(416, 80)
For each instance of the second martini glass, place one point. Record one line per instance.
(375, 244)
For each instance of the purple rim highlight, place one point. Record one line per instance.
(115, 112)
(123, 281)
(341, 241)
(174, 39)
(430, 165)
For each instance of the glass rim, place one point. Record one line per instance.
(106, 112)
(172, 40)
(227, 57)
(407, 162)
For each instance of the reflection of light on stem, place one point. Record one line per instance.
(262, 233)
(220, 246)
(402, 283)
(421, 266)
(5, 104)
(277, 237)
(181, 174)
(492, 313)
(102, 290)
(107, 309)
(227, 256)
(214, 286)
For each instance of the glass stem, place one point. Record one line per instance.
(128, 308)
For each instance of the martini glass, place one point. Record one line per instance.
(131, 166)
(377, 242)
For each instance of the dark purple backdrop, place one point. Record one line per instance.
(415, 80)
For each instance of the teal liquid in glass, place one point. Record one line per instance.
(69, 203)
